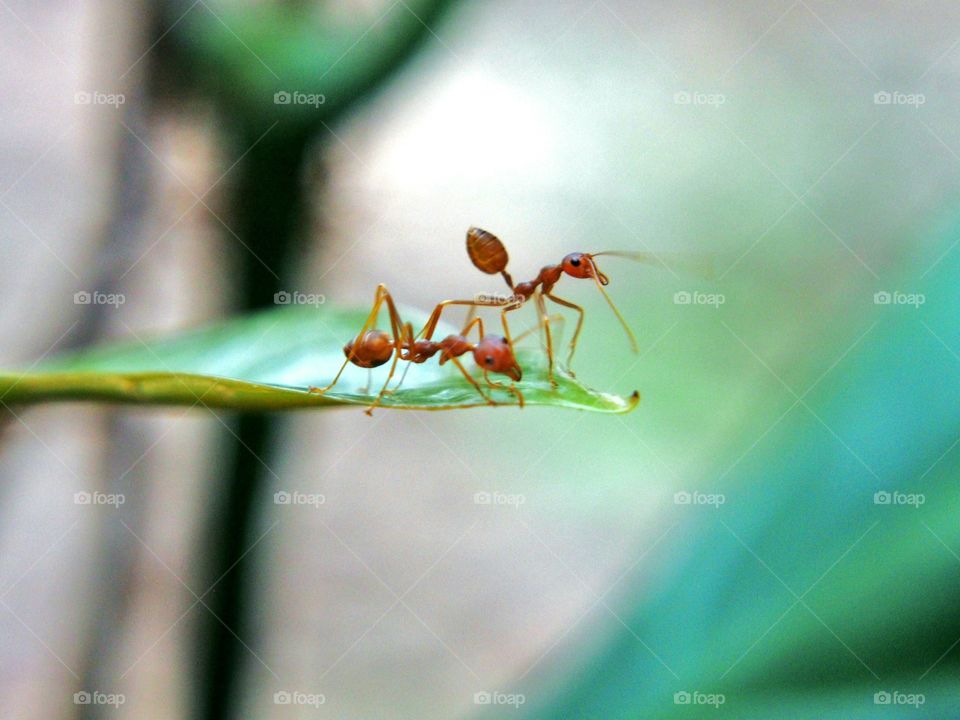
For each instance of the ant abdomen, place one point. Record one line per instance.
(486, 251)
(370, 350)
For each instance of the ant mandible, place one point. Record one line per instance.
(372, 348)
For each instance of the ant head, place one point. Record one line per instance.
(494, 354)
(582, 265)
(370, 350)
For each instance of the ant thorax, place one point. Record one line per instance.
(420, 351)
(548, 277)
(454, 346)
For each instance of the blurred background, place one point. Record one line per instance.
(772, 533)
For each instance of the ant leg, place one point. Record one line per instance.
(506, 333)
(431, 326)
(503, 319)
(468, 321)
(576, 332)
(469, 377)
(383, 390)
(382, 295)
(379, 295)
(406, 335)
(365, 390)
(469, 326)
(545, 322)
(402, 378)
(398, 328)
(554, 319)
(378, 298)
(399, 335)
(509, 388)
(321, 391)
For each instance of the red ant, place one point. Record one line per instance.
(489, 255)
(372, 348)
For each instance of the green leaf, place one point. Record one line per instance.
(266, 361)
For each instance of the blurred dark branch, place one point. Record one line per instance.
(243, 56)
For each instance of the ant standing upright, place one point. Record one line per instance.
(489, 255)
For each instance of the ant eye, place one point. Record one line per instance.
(575, 262)
(488, 359)
(503, 340)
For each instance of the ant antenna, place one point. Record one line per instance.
(698, 264)
(600, 279)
